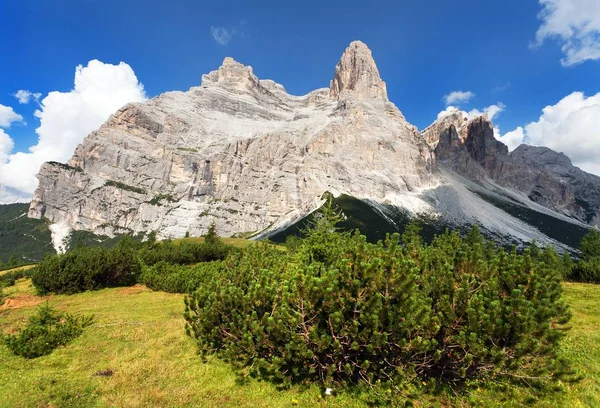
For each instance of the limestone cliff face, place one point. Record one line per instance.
(240, 152)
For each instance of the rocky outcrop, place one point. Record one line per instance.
(357, 76)
(540, 174)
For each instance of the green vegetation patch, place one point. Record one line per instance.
(171, 278)
(87, 269)
(588, 267)
(123, 186)
(45, 331)
(187, 149)
(337, 310)
(162, 197)
(24, 239)
(139, 335)
(65, 166)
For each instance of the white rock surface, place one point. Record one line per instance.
(238, 151)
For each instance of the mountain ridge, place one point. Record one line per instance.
(241, 152)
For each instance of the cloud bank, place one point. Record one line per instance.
(65, 119)
(491, 111)
(575, 24)
(8, 116)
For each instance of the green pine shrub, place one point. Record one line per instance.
(46, 331)
(9, 278)
(87, 269)
(588, 267)
(587, 271)
(178, 278)
(340, 310)
(184, 253)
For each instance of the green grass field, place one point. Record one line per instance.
(138, 334)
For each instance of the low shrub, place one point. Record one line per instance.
(87, 269)
(587, 271)
(46, 331)
(341, 310)
(178, 278)
(9, 278)
(184, 253)
(588, 267)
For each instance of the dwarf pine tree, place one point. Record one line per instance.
(338, 309)
(588, 267)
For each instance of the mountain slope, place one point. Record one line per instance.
(28, 239)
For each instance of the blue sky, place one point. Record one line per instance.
(424, 49)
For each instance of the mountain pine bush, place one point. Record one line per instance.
(340, 310)
(45, 331)
(178, 278)
(185, 253)
(87, 269)
(588, 267)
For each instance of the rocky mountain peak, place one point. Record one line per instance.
(356, 73)
(231, 72)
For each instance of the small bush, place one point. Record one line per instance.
(341, 310)
(587, 271)
(588, 267)
(87, 269)
(45, 331)
(9, 278)
(178, 278)
(185, 253)
(123, 186)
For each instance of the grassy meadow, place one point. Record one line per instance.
(137, 355)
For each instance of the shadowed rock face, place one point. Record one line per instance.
(241, 152)
(546, 177)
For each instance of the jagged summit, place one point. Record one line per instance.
(231, 72)
(356, 74)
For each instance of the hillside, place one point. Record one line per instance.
(29, 239)
(139, 335)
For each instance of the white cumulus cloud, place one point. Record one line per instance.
(8, 116)
(24, 96)
(511, 139)
(66, 118)
(6, 145)
(458, 97)
(575, 24)
(491, 111)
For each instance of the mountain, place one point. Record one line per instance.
(243, 153)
